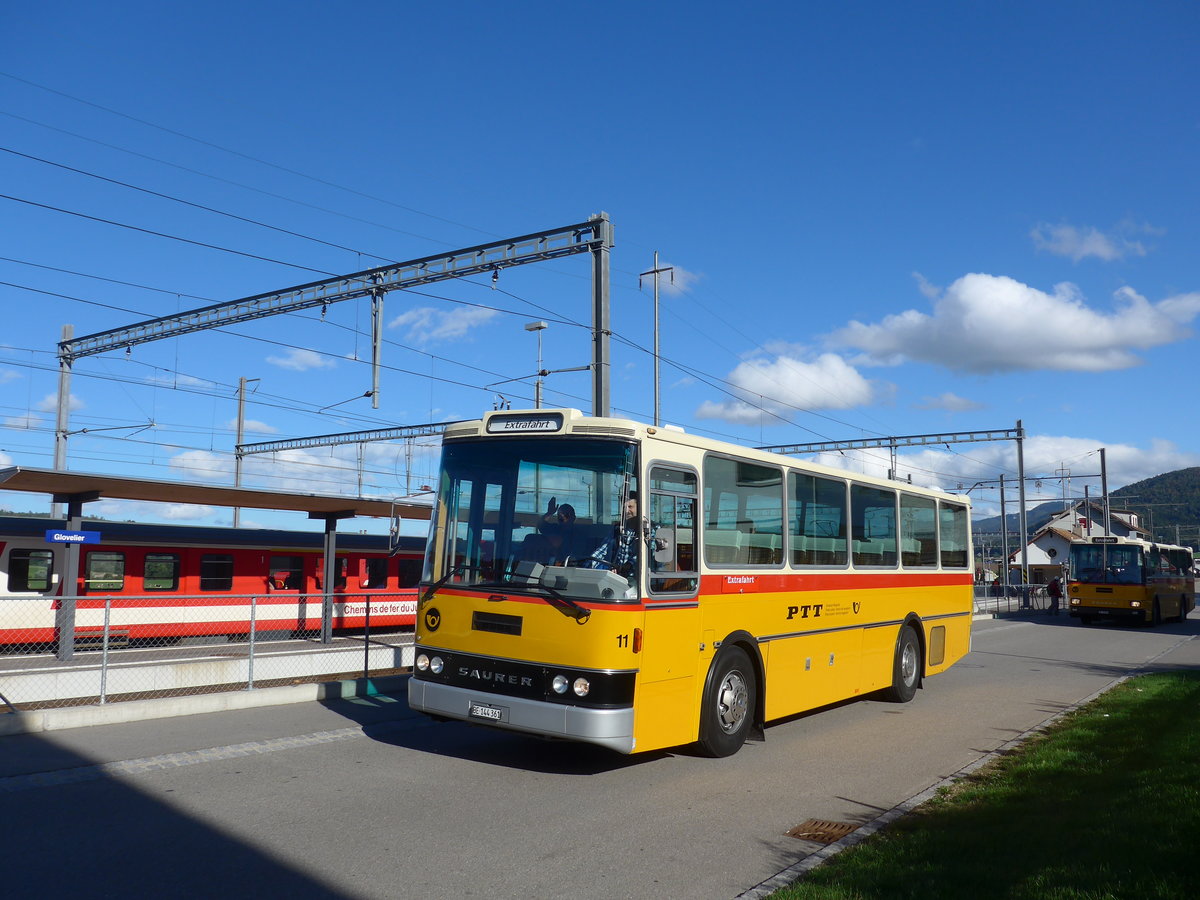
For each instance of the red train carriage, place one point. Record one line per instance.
(167, 582)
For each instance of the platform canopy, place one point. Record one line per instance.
(118, 487)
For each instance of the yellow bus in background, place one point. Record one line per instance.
(1131, 580)
(636, 587)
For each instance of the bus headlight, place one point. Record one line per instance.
(436, 665)
(581, 687)
(422, 662)
(1135, 603)
(559, 684)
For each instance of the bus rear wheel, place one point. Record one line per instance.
(906, 667)
(728, 709)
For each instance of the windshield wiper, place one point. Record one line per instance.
(450, 573)
(565, 605)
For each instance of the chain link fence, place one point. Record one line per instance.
(69, 651)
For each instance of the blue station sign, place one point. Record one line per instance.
(59, 536)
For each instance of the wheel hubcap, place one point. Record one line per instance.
(908, 664)
(733, 699)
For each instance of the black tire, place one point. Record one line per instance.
(906, 667)
(727, 713)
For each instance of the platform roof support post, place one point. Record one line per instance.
(329, 570)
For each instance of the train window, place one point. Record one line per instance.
(104, 571)
(161, 572)
(216, 572)
(287, 573)
(29, 570)
(377, 573)
(410, 572)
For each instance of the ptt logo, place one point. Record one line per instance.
(806, 611)
(433, 619)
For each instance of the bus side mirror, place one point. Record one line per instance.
(664, 545)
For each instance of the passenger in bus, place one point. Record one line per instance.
(620, 550)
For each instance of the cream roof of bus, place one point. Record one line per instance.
(118, 487)
(575, 422)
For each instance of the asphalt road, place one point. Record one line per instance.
(363, 799)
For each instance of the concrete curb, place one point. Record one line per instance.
(38, 720)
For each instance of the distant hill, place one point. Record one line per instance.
(1163, 501)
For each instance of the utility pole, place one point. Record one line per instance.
(237, 457)
(656, 271)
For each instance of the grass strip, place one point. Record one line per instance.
(1103, 804)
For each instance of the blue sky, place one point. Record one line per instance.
(884, 220)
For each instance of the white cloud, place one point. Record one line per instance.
(785, 383)
(949, 402)
(989, 323)
(49, 403)
(5, 459)
(972, 463)
(252, 425)
(27, 421)
(178, 379)
(137, 511)
(428, 324)
(300, 360)
(7, 375)
(673, 283)
(1081, 242)
(927, 288)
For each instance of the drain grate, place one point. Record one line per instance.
(821, 831)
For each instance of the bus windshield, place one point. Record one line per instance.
(538, 516)
(1106, 563)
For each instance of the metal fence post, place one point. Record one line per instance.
(367, 637)
(253, 634)
(104, 651)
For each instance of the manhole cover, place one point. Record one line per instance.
(821, 831)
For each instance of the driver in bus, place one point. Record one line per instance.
(620, 550)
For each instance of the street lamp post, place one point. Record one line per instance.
(538, 327)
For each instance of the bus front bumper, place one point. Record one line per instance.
(1104, 612)
(611, 728)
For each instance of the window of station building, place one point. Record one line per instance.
(672, 514)
(743, 517)
(160, 572)
(286, 572)
(410, 571)
(30, 570)
(952, 529)
(377, 573)
(816, 520)
(918, 532)
(104, 570)
(216, 572)
(873, 525)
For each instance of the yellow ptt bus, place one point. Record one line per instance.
(1129, 579)
(601, 580)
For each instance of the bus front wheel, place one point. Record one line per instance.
(728, 710)
(906, 667)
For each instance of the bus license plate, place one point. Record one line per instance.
(491, 713)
